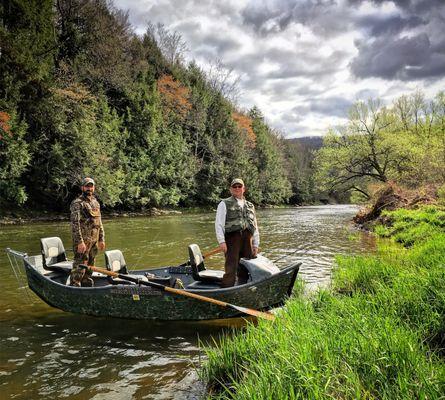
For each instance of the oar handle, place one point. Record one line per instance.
(212, 252)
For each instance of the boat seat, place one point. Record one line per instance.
(53, 255)
(259, 268)
(114, 261)
(199, 271)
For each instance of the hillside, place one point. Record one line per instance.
(82, 94)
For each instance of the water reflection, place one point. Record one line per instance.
(46, 353)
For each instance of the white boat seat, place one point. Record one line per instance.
(114, 261)
(199, 271)
(53, 255)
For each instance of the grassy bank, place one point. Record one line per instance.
(379, 334)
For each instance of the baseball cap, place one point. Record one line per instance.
(87, 181)
(237, 180)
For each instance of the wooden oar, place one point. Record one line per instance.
(181, 292)
(205, 255)
(212, 252)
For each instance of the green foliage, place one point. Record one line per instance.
(404, 143)
(27, 50)
(275, 187)
(93, 98)
(379, 334)
(14, 157)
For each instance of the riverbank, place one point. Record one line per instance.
(24, 216)
(17, 217)
(378, 333)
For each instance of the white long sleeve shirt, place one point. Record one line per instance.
(220, 223)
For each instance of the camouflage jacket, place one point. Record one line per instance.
(86, 222)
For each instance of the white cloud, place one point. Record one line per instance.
(302, 62)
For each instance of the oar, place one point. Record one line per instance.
(181, 292)
(205, 255)
(212, 252)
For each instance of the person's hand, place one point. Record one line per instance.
(81, 248)
(254, 251)
(223, 247)
(101, 245)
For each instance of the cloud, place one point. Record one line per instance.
(405, 58)
(404, 44)
(331, 106)
(305, 62)
(392, 24)
(326, 17)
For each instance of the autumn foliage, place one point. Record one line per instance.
(245, 126)
(175, 96)
(4, 123)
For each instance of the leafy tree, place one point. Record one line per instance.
(14, 158)
(269, 162)
(27, 51)
(82, 94)
(364, 150)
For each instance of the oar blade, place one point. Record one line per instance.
(255, 313)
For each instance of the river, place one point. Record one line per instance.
(49, 354)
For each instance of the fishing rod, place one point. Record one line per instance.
(291, 254)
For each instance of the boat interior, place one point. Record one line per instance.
(54, 264)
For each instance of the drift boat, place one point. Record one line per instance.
(48, 275)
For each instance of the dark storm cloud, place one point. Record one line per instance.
(393, 24)
(324, 17)
(408, 5)
(405, 59)
(406, 44)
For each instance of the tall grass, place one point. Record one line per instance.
(378, 334)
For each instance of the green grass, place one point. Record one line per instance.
(378, 334)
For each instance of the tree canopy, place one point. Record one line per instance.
(82, 94)
(404, 143)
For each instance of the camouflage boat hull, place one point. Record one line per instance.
(143, 302)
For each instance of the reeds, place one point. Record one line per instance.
(378, 334)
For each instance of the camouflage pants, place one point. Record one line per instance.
(81, 276)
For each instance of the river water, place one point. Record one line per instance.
(49, 354)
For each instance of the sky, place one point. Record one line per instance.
(305, 62)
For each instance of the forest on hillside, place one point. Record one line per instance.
(82, 95)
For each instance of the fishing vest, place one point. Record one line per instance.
(91, 211)
(239, 218)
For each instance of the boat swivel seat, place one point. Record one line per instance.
(115, 262)
(199, 271)
(53, 254)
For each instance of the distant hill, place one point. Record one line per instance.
(309, 142)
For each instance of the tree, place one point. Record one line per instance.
(14, 158)
(369, 148)
(171, 44)
(269, 162)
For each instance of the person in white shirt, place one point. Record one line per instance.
(237, 233)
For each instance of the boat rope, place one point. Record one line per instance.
(13, 258)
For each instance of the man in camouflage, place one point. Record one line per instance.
(87, 232)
